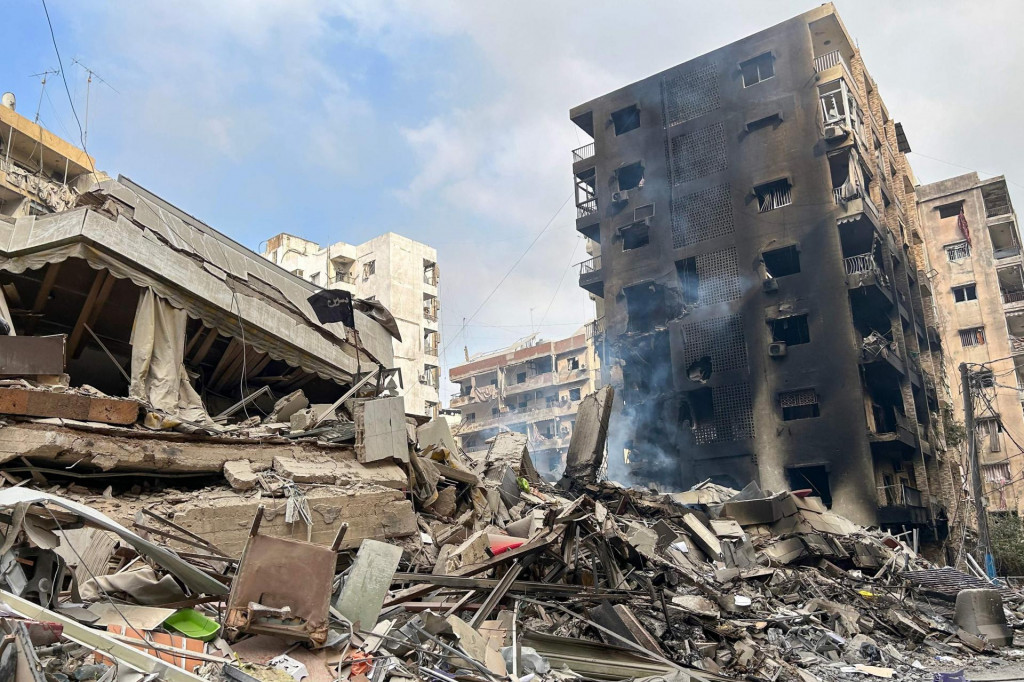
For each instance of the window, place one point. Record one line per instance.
(974, 336)
(494, 382)
(950, 210)
(626, 119)
(551, 400)
(802, 404)
(634, 236)
(773, 195)
(645, 307)
(813, 477)
(791, 331)
(958, 251)
(989, 429)
(641, 212)
(574, 394)
(769, 121)
(297, 273)
(758, 69)
(522, 404)
(369, 268)
(572, 363)
(686, 269)
(470, 417)
(315, 278)
(967, 292)
(494, 411)
(781, 262)
(521, 378)
(631, 176)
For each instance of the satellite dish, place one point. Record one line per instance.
(8, 100)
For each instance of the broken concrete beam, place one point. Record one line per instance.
(586, 446)
(223, 517)
(510, 449)
(444, 506)
(436, 435)
(287, 406)
(108, 449)
(240, 475)
(33, 403)
(368, 583)
(381, 431)
(335, 471)
(703, 537)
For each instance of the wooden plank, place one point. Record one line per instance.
(229, 355)
(101, 299)
(27, 403)
(258, 366)
(204, 347)
(83, 317)
(52, 270)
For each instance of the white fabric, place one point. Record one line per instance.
(158, 369)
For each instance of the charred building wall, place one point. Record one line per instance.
(746, 224)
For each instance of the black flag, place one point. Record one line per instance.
(333, 305)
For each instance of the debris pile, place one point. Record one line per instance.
(387, 553)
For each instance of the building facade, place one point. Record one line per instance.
(400, 273)
(532, 387)
(974, 268)
(760, 307)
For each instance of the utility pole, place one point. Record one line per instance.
(972, 458)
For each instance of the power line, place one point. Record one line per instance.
(957, 165)
(502, 281)
(71, 101)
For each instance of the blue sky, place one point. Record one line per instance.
(448, 121)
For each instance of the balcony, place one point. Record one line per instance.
(828, 61)
(583, 153)
(521, 416)
(1013, 301)
(591, 277)
(593, 328)
(343, 278)
(903, 506)
(431, 349)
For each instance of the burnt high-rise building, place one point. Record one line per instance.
(749, 215)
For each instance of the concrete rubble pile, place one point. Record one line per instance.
(391, 554)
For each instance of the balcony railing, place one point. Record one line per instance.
(431, 350)
(593, 328)
(1007, 252)
(591, 265)
(430, 314)
(864, 262)
(900, 495)
(346, 278)
(587, 207)
(827, 61)
(584, 152)
(1013, 296)
(1016, 345)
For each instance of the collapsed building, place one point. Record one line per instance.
(761, 311)
(533, 387)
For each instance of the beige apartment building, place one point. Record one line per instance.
(398, 272)
(974, 269)
(533, 387)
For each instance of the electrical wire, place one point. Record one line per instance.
(561, 279)
(71, 101)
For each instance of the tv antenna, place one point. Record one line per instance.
(42, 88)
(88, 86)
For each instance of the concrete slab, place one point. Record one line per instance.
(34, 403)
(368, 583)
(586, 447)
(240, 475)
(383, 431)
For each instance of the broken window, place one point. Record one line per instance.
(967, 292)
(634, 236)
(465, 389)
(369, 268)
(813, 477)
(686, 269)
(429, 272)
(626, 119)
(521, 378)
(430, 307)
(975, 336)
(801, 404)
(630, 176)
(791, 331)
(572, 363)
(645, 307)
(758, 69)
(773, 195)
(781, 262)
(950, 210)
(958, 251)
(574, 394)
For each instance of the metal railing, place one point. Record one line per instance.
(590, 265)
(900, 495)
(837, 196)
(584, 152)
(587, 207)
(864, 262)
(593, 328)
(1013, 296)
(431, 350)
(346, 278)
(771, 199)
(827, 61)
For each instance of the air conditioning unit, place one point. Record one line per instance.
(620, 197)
(770, 285)
(835, 132)
(777, 349)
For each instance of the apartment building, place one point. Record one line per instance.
(398, 272)
(532, 387)
(974, 268)
(761, 311)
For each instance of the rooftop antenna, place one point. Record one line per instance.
(88, 85)
(42, 88)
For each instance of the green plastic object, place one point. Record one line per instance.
(191, 623)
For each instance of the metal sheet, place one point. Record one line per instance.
(31, 355)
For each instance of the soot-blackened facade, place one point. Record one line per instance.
(760, 308)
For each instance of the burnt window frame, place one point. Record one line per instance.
(964, 288)
(767, 57)
(800, 329)
(640, 230)
(796, 412)
(794, 248)
(633, 123)
(625, 168)
(773, 186)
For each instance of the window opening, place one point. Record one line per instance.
(758, 69)
(791, 331)
(974, 336)
(631, 176)
(634, 236)
(781, 262)
(958, 251)
(626, 119)
(686, 269)
(802, 404)
(967, 292)
(773, 195)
